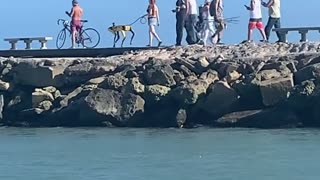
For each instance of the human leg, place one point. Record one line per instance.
(194, 36)
(251, 27)
(150, 35)
(270, 24)
(179, 28)
(278, 25)
(261, 29)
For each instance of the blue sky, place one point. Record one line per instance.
(38, 18)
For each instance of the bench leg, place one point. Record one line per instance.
(13, 45)
(43, 44)
(303, 36)
(284, 37)
(28, 44)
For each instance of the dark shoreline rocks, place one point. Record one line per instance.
(247, 85)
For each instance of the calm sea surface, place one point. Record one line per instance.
(159, 154)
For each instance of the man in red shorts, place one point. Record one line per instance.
(75, 14)
(255, 20)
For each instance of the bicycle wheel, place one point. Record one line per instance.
(90, 38)
(61, 39)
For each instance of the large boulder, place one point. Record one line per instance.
(159, 74)
(189, 93)
(103, 106)
(81, 72)
(220, 99)
(32, 74)
(276, 90)
(308, 73)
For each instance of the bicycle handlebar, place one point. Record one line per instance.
(59, 20)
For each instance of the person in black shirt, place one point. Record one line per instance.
(181, 13)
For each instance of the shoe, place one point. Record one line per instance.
(159, 44)
(148, 45)
(264, 41)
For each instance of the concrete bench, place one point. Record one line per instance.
(302, 30)
(28, 41)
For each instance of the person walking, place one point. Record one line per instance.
(76, 15)
(216, 10)
(208, 23)
(274, 18)
(191, 22)
(153, 21)
(255, 20)
(181, 13)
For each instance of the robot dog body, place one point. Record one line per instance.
(123, 29)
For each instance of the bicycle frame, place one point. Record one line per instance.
(67, 26)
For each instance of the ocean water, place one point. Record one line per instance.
(159, 154)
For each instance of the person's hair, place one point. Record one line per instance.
(152, 1)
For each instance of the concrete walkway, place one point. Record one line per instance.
(54, 53)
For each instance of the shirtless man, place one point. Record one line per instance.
(216, 10)
(76, 14)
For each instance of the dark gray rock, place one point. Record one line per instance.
(308, 73)
(160, 74)
(279, 117)
(30, 74)
(102, 107)
(276, 90)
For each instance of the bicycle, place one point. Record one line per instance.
(88, 38)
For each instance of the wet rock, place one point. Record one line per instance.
(279, 117)
(276, 90)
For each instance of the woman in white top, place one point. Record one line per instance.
(255, 20)
(208, 23)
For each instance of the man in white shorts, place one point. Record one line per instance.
(208, 23)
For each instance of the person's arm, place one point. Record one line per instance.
(188, 6)
(251, 7)
(268, 4)
(216, 6)
(69, 13)
(158, 17)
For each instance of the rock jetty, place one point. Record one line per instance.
(245, 85)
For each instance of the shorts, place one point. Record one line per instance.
(255, 23)
(152, 21)
(76, 25)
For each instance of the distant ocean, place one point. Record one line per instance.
(159, 154)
